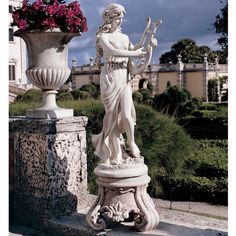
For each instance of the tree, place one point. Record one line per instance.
(190, 52)
(221, 26)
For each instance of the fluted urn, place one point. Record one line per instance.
(48, 68)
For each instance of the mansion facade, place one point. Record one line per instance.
(193, 77)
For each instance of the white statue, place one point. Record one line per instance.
(122, 177)
(116, 92)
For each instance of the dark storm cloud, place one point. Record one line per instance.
(181, 19)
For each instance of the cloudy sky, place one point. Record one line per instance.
(181, 18)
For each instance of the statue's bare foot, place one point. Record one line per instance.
(134, 149)
(116, 160)
(104, 162)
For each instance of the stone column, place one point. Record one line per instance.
(50, 166)
(180, 67)
(205, 78)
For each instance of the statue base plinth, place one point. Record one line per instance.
(122, 196)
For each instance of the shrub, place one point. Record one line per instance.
(175, 101)
(147, 94)
(65, 96)
(137, 96)
(79, 94)
(205, 127)
(32, 95)
(208, 107)
(212, 90)
(194, 188)
(19, 108)
(150, 87)
(92, 89)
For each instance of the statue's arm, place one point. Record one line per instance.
(138, 69)
(108, 47)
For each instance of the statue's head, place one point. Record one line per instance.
(113, 11)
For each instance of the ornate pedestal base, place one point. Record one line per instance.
(122, 196)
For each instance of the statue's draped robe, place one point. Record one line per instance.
(113, 83)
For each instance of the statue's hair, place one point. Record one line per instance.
(113, 11)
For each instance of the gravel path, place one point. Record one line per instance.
(200, 214)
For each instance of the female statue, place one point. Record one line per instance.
(116, 92)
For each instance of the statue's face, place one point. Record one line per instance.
(116, 22)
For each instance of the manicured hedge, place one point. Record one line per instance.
(205, 127)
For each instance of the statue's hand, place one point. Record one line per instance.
(153, 42)
(141, 52)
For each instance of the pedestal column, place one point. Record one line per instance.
(50, 167)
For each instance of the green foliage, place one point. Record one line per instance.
(150, 86)
(212, 90)
(205, 178)
(19, 108)
(175, 101)
(137, 96)
(211, 111)
(65, 96)
(221, 26)
(211, 158)
(190, 52)
(92, 89)
(208, 107)
(194, 188)
(32, 95)
(78, 94)
(147, 94)
(161, 140)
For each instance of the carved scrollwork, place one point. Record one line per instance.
(116, 212)
(93, 217)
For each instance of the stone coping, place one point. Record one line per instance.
(47, 126)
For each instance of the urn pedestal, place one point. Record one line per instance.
(48, 69)
(122, 196)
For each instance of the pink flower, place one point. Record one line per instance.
(36, 5)
(44, 14)
(77, 21)
(72, 29)
(50, 22)
(62, 10)
(70, 21)
(24, 5)
(70, 13)
(55, 7)
(85, 26)
(50, 9)
(75, 7)
(22, 24)
(15, 16)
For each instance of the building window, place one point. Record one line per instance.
(10, 8)
(11, 37)
(12, 72)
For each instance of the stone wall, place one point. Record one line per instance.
(50, 167)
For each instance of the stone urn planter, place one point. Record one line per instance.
(48, 68)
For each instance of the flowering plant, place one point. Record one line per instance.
(49, 14)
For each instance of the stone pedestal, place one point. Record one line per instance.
(122, 196)
(50, 167)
